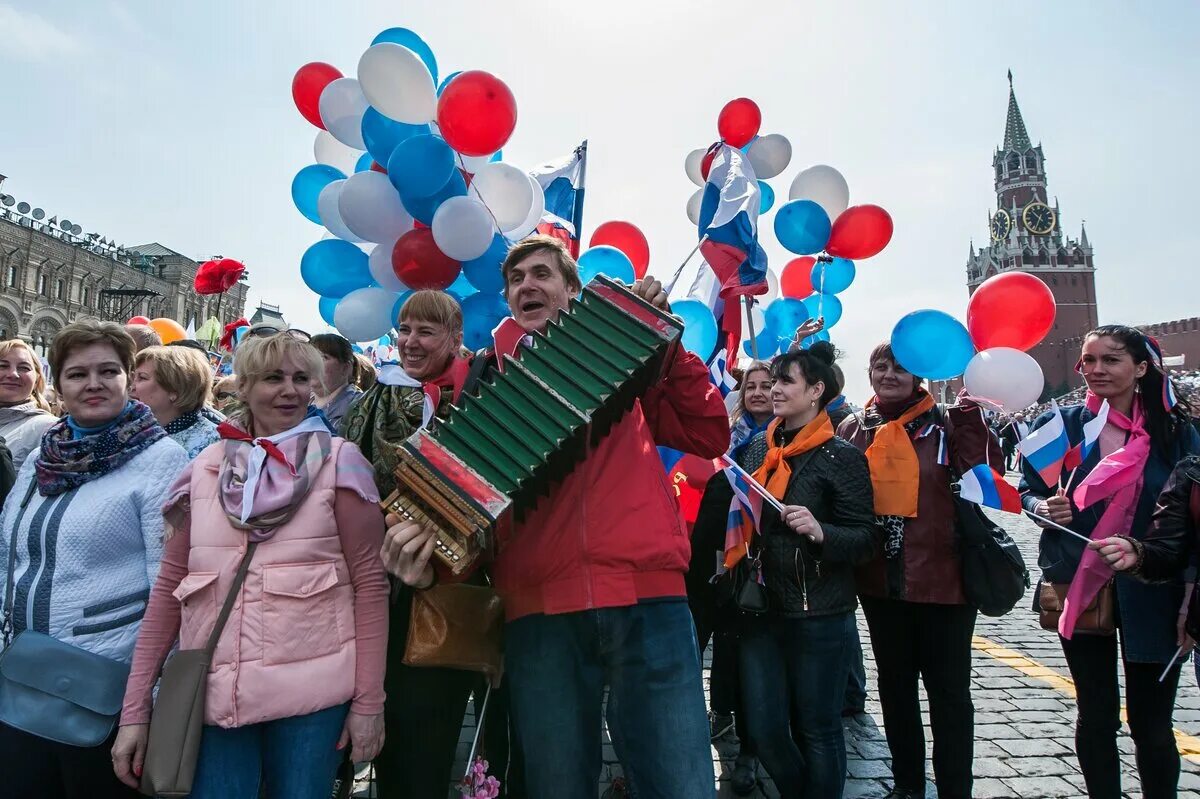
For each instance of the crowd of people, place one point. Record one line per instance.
(162, 508)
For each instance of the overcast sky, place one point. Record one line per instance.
(173, 122)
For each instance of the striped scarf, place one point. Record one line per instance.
(264, 480)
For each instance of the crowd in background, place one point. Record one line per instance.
(140, 491)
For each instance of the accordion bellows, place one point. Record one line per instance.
(526, 429)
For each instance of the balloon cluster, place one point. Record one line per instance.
(218, 276)
(167, 329)
(817, 224)
(1007, 315)
(410, 184)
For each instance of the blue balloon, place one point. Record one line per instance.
(382, 134)
(605, 260)
(496, 156)
(307, 186)
(699, 327)
(422, 209)
(932, 344)
(326, 307)
(364, 163)
(802, 227)
(786, 314)
(814, 338)
(766, 343)
(446, 82)
(767, 200)
(461, 287)
(400, 300)
(406, 38)
(484, 272)
(334, 268)
(829, 307)
(420, 165)
(357, 350)
(832, 278)
(481, 313)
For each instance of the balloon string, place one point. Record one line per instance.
(750, 324)
(479, 195)
(675, 279)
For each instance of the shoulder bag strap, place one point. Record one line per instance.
(234, 590)
(479, 364)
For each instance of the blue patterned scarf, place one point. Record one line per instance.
(65, 462)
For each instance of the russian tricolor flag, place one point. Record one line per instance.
(984, 486)
(728, 232)
(1045, 449)
(1091, 434)
(718, 373)
(745, 516)
(562, 183)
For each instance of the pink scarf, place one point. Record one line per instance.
(1117, 478)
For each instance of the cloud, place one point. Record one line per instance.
(25, 36)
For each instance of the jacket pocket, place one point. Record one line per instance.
(299, 612)
(197, 608)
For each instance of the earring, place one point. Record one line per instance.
(813, 404)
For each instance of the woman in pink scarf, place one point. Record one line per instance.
(297, 676)
(1127, 460)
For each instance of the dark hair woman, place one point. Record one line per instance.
(719, 622)
(339, 390)
(793, 659)
(912, 594)
(1113, 492)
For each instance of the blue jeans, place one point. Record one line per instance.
(557, 667)
(794, 675)
(295, 757)
(856, 684)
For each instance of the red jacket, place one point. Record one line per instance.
(611, 534)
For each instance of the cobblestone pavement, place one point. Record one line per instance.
(1024, 716)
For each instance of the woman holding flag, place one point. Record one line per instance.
(912, 593)
(1127, 437)
(793, 658)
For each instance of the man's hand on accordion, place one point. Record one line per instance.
(407, 549)
(652, 292)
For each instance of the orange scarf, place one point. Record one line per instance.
(775, 470)
(774, 474)
(895, 470)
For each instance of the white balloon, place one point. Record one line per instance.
(506, 191)
(380, 262)
(770, 155)
(328, 150)
(1005, 376)
(331, 218)
(473, 163)
(365, 314)
(371, 208)
(463, 228)
(397, 82)
(536, 209)
(825, 186)
(772, 289)
(693, 206)
(691, 165)
(342, 106)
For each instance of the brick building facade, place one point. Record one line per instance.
(51, 273)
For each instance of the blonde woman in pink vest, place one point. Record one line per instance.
(298, 671)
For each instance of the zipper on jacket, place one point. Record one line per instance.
(799, 562)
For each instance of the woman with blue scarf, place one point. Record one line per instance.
(750, 415)
(80, 544)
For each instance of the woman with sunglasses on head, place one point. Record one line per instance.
(1113, 492)
(715, 621)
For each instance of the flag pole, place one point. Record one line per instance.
(1174, 658)
(1058, 526)
(750, 323)
(754, 484)
(675, 279)
(577, 216)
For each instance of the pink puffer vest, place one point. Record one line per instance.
(288, 647)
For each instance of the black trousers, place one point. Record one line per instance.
(34, 768)
(721, 626)
(1092, 660)
(931, 643)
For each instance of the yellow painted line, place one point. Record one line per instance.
(1189, 746)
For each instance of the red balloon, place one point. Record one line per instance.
(860, 232)
(310, 81)
(476, 113)
(375, 167)
(796, 278)
(419, 263)
(627, 238)
(706, 162)
(1013, 309)
(138, 320)
(739, 121)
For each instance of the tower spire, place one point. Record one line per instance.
(1015, 136)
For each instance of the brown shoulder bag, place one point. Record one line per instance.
(457, 626)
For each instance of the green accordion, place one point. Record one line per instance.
(503, 448)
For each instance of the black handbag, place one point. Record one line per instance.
(993, 571)
(742, 587)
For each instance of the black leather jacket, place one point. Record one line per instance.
(1170, 542)
(804, 579)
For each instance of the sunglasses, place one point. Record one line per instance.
(265, 331)
(224, 395)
